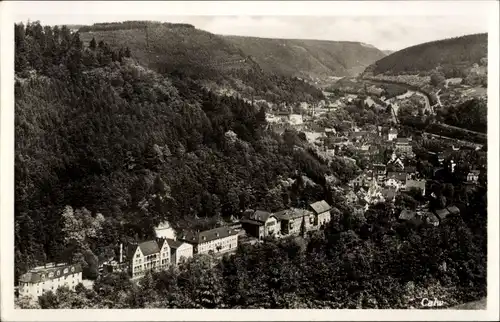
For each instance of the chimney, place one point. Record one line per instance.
(121, 252)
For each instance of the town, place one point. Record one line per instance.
(390, 170)
(160, 165)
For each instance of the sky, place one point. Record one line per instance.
(386, 32)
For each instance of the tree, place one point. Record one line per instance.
(93, 44)
(303, 227)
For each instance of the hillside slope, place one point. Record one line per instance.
(180, 50)
(453, 56)
(127, 148)
(308, 58)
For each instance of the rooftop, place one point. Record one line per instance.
(40, 274)
(320, 207)
(407, 214)
(207, 235)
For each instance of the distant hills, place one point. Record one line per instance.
(246, 65)
(452, 56)
(308, 58)
(184, 51)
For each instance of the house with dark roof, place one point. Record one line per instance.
(49, 277)
(151, 255)
(260, 224)
(389, 194)
(291, 220)
(398, 175)
(453, 210)
(407, 214)
(218, 240)
(321, 210)
(442, 214)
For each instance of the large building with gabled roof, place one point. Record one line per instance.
(218, 240)
(156, 255)
(49, 277)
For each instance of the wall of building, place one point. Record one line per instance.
(226, 244)
(36, 289)
(184, 251)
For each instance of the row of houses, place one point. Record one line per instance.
(159, 254)
(262, 224)
(433, 218)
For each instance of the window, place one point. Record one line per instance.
(51, 275)
(65, 271)
(72, 269)
(58, 273)
(137, 255)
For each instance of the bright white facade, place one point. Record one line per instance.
(48, 278)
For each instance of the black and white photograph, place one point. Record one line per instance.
(157, 156)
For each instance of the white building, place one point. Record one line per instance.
(165, 230)
(179, 251)
(218, 240)
(156, 255)
(48, 278)
(392, 135)
(151, 255)
(296, 119)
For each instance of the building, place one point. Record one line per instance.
(402, 146)
(291, 220)
(392, 135)
(473, 176)
(441, 214)
(453, 210)
(179, 251)
(394, 183)
(165, 230)
(389, 194)
(218, 240)
(321, 210)
(260, 224)
(49, 277)
(407, 214)
(296, 119)
(399, 176)
(360, 181)
(416, 184)
(379, 171)
(395, 163)
(151, 255)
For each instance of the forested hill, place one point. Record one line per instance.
(453, 56)
(308, 58)
(182, 51)
(125, 147)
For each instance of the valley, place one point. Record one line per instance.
(170, 167)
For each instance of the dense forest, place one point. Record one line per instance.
(107, 148)
(452, 56)
(477, 115)
(129, 25)
(185, 52)
(109, 138)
